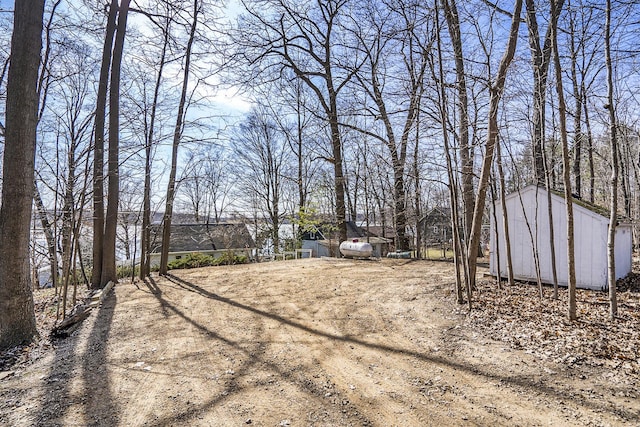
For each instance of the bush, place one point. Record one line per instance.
(124, 271)
(229, 258)
(196, 260)
(192, 261)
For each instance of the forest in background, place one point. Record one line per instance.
(267, 109)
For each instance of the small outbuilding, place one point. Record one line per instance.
(528, 222)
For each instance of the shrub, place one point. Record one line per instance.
(192, 261)
(229, 258)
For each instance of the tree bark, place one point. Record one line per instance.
(177, 135)
(492, 137)
(109, 273)
(145, 241)
(98, 152)
(17, 319)
(541, 57)
(466, 150)
(566, 167)
(613, 218)
(458, 257)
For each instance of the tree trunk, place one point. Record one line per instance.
(466, 150)
(109, 273)
(492, 137)
(566, 166)
(592, 173)
(17, 319)
(611, 248)
(98, 154)
(505, 218)
(145, 241)
(541, 55)
(48, 234)
(177, 135)
(458, 248)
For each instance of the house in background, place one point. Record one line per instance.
(325, 240)
(436, 226)
(209, 239)
(528, 208)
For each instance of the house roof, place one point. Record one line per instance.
(330, 231)
(203, 237)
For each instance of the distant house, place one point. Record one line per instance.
(528, 208)
(210, 239)
(436, 226)
(325, 240)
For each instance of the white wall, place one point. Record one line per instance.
(590, 237)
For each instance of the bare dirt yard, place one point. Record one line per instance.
(328, 342)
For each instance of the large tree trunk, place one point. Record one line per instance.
(492, 137)
(17, 320)
(109, 273)
(466, 150)
(98, 152)
(336, 143)
(177, 135)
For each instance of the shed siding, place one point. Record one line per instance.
(590, 231)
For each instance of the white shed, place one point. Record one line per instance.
(527, 210)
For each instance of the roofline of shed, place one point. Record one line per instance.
(591, 207)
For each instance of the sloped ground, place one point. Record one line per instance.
(327, 343)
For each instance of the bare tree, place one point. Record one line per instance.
(17, 319)
(305, 38)
(261, 154)
(496, 90)
(109, 273)
(395, 90)
(150, 139)
(466, 148)
(613, 142)
(177, 136)
(98, 154)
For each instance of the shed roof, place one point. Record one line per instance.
(203, 237)
(592, 207)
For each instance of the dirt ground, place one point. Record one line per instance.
(321, 342)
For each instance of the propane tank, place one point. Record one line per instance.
(356, 249)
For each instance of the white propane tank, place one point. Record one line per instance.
(355, 249)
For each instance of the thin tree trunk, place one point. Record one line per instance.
(592, 173)
(611, 247)
(492, 137)
(541, 55)
(494, 216)
(17, 319)
(145, 243)
(47, 228)
(453, 187)
(566, 166)
(98, 155)
(109, 273)
(505, 218)
(177, 135)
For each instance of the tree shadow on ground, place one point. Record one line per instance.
(94, 394)
(525, 382)
(255, 356)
